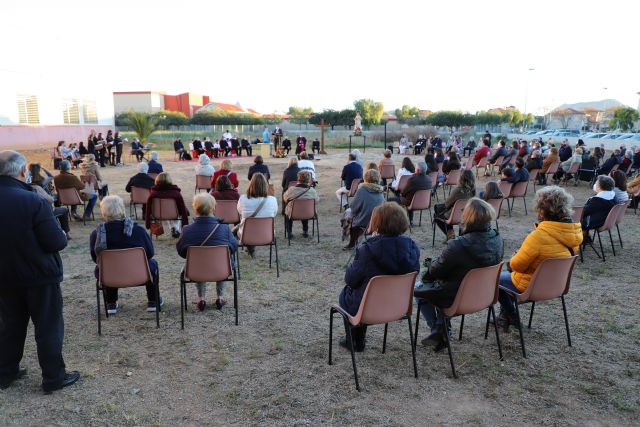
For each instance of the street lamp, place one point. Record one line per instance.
(526, 97)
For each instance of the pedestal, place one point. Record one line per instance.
(263, 149)
(364, 142)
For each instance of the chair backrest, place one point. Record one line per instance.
(164, 209)
(257, 231)
(388, 171)
(483, 162)
(497, 205)
(469, 164)
(519, 189)
(533, 174)
(550, 280)
(622, 208)
(90, 179)
(203, 182)
(612, 216)
(302, 209)
(553, 168)
(69, 196)
(402, 184)
(434, 177)
(227, 211)
(455, 216)
(573, 169)
(577, 213)
(386, 299)
(421, 200)
(453, 177)
(140, 195)
(499, 161)
(505, 188)
(207, 264)
(123, 268)
(478, 290)
(354, 187)
(615, 167)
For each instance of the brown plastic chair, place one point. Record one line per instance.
(139, 196)
(434, 182)
(207, 264)
(352, 190)
(452, 178)
(123, 268)
(497, 164)
(478, 291)
(388, 172)
(91, 180)
(621, 211)
(533, 177)
(609, 223)
(203, 182)
(421, 201)
(519, 189)
(573, 171)
(553, 168)
(550, 281)
(386, 299)
(497, 206)
(469, 164)
(402, 184)
(614, 168)
(164, 210)
(482, 164)
(259, 232)
(455, 216)
(227, 211)
(303, 209)
(505, 188)
(70, 197)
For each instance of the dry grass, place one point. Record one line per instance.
(272, 368)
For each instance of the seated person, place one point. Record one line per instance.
(120, 232)
(302, 190)
(610, 163)
(154, 165)
(246, 145)
(491, 191)
(386, 161)
(224, 190)
(178, 147)
(521, 174)
(387, 252)
(565, 166)
(208, 148)
(596, 208)
(407, 168)
(141, 179)
(197, 147)
(477, 246)
(352, 170)
(307, 165)
(482, 152)
(301, 144)
(551, 158)
(44, 187)
(290, 175)
(620, 187)
(466, 189)
(633, 187)
(418, 181)
(164, 189)
(534, 161)
(225, 169)
(66, 179)
(235, 146)
(256, 203)
(369, 195)
(225, 147)
(137, 149)
(204, 167)
(315, 145)
(90, 167)
(260, 167)
(555, 236)
(452, 163)
(207, 230)
(501, 151)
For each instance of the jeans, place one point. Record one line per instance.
(507, 303)
(433, 317)
(89, 209)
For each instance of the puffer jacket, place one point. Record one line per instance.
(474, 249)
(551, 239)
(379, 255)
(368, 196)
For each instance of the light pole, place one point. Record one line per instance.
(526, 97)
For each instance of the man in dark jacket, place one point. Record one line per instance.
(31, 272)
(501, 151)
(141, 179)
(565, 151)
(418, 181)
(350, 171)
(521, 174)
(610, 163)
(178, 147)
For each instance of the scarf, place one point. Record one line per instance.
(101, 239)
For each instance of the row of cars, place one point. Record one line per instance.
(576, 134)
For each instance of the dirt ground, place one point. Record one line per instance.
(272, 368)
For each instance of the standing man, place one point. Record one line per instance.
(31, 271)
(277, 137)
(265, 135)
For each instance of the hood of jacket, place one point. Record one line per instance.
(566, 233)
(372, 187)
(393, 254)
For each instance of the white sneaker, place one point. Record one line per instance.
(151, 305)
(112, 308)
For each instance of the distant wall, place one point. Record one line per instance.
(30, 136)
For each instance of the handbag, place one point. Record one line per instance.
(156, 229)
(237, 227)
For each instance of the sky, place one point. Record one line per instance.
(268, 55)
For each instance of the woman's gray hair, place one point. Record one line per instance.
(605, 182)
(11, 163)
(143, 167)
(112, 208)
(554, 203)
(204, 159)
(154, 155)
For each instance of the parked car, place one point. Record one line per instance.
(611, 136)
(596, 135)
(547, 132)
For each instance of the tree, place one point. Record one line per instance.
(143, 124)
(299, 114)
(171, 118)
(333, 118)
(370, 111)
(407, 114)
(451, 119)
(624, 118)
(488, 118)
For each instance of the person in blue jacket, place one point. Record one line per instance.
(350, 171)
(387, 252)
(30, 276)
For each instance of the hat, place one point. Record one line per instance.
(126, 140)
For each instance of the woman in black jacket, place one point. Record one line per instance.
(289, 175)
(477, 246)
(259, 166)
(596, 209)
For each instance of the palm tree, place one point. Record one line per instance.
(143, 125)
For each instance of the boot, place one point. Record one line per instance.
(354, 233)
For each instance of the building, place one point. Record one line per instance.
(227, 108)
(41, 110)
(152, 102)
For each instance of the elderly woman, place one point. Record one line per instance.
(224, 190)
(387, 252)
(164, 189)
(120, 232)
(258, 167)
(154, 165)
(596, 209)
(555, 236)
(256, 204)
(204, 167)
(290, 174)
(465, 189)
(477, 246)
(225, 169)
(302, 190)
(44, 187)
(620, 187)
(206, 230)
(369, 195)
(90, 167)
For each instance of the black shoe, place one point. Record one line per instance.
(345, 343)
(433, 338)
(69, 378)
(7, 382)
(440, 345)
(305, 235)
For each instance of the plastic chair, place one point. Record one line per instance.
(469, 164)
(497, 164)
(352, 191)
(452, 179)
(573, 171)
(519, 189)
(123, 268)
(455, 216)
(478, 291)
(386, 299)
(164, 210)
(421, 201)
(203, 182)
(70, 197)
(388, 172)
(497, 206)
(434, 182)
(227, 211)
(207, 264)
(482, 164)
(396, 146)
(550, 281)
(505, 188)
(533, 177)
(609, 222)
(259, 232)
(402, 184)
(553, 168)
(303, 209)
(91, 180)
(621, 211)
(139, 196)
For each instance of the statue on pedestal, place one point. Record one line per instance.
(357, 124)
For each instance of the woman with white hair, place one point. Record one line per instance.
(90, 167)
(154, 165)
(204, 167)
(358, 155)
(120, 232)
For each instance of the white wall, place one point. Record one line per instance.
(141, 102)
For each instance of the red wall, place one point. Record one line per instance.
(181, 103)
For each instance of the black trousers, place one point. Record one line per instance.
(43, 305)
(305, 225)
(111, 294)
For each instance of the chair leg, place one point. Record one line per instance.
(524, 353)
(447, 325)
(601, 247)
(524, 201)
(98, 307)
(495, 326)
(415, 335)
(235, 295)
(182, 303)
(270, 253)
(384, 339)
(619, 237)
(238, 262)
(613, 248)
(486, 326)
(331, 311)
(566, 319)
(461, 326)
(533, 306)
(318, 228)
(420, 220)
(413, 348)
(433, 240)
(275, 244)
(353, 356)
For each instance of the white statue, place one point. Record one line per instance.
(357, 121)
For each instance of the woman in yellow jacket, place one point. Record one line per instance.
(555, 236)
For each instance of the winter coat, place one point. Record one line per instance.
(167, 192)
(415, 183)
(379, 255)
(548, 161)
(233, 177)
(566, 165)
(533, 163)
(290, 174)
(351, 171)
(259, 168)
(140, 180)
(154, 167)
(596, 209)
(299, 192)
(368, 196)
(195, 233)
(68, 180)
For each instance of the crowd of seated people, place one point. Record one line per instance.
(65, 180)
